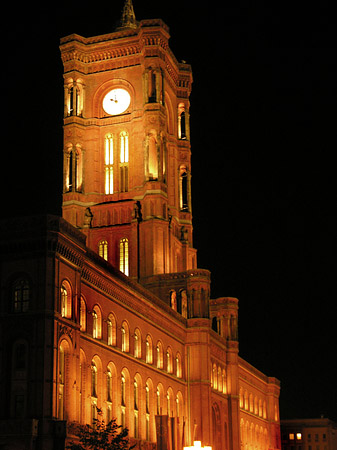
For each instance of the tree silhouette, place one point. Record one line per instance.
(101, 436)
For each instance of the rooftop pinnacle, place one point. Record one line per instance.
(128, 19)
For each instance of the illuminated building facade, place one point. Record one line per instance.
(106, 306)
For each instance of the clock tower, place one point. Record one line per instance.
(127, 154)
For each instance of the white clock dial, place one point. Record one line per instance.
(116, 101)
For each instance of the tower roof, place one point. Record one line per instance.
(128, 19)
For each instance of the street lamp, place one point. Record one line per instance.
(197, 445)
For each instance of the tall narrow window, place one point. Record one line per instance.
(83, 315)
(109, 161)
(124, 162)
(152, 158)
(136, 401)
(93, 379)
(138, 344)
(123, 400)
(147, 411)
(64, 301)
(111, 325)
(149, 355)
(124, 256)
(21, 295)
(96, 323)
(61, 383)
(169, 360)
(159, 355)
(183, 181)
(109, 386)
(125, 337)
(103, 249)
(181, 121)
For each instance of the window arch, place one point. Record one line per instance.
(103, 249)
(96, 322)
(124, 255)
(152, 158)
(65, 299)
(137, 387)
(21, 294)
(125, 337)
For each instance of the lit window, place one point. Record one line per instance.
(169, 360)
(125, 337)
(96, 323)
(103, 249)
(124, 160)
(124, 256)
(148, 356)
(138, 344)
(298, 436)
(291, 436)
(159, 349)
(109, 386)
(109, 160)
(93, 379)
(65, 300)
(183, 188)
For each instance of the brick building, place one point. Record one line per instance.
(106, 306)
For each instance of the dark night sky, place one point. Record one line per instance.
(263, 121)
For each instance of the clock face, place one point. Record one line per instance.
(116, 101)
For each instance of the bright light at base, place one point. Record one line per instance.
(197, 445)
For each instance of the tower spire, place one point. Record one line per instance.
(128, 19)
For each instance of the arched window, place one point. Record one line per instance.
(149, 350)
(111, 326)
(179, 371)
(159, 349)
(138, 344)
(109, 161)
(73, 168)
(65, 300)
(124, 162)
(125, 337)
(103, 249)
(181, 121)
(224, 382)
(215, 377)
(246, 401)
(169, 360)
(219, 379)
(96, 323)
(21, 295)
(74, 98)
(83, 315)
(124, 256)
